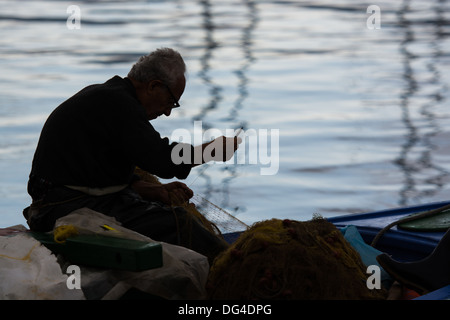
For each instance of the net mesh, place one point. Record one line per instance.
(224, 221)
(214, 218)
(279, 259)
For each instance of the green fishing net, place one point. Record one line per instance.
(285, 259)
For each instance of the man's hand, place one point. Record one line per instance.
(220, 149)
(178, 191)
(170, 193)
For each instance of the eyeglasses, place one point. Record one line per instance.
(175, 101)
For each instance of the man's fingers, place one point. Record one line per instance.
(180, 190)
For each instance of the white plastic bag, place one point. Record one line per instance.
(182, 276)
(29, 271)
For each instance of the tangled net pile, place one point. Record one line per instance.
(285, 259)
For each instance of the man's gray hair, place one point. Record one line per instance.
(163, 64)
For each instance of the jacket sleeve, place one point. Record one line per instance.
(149, 151)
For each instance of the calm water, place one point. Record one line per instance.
(363, 114)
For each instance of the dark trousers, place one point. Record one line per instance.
(159, 222)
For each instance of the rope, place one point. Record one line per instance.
(25, 257)
(61, 233)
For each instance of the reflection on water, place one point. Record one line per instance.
(213, 89)
(414, 165)
(245, 45)
(363, 114)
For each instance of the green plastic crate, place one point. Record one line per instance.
(106, 252)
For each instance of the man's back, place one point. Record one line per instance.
(82, 143)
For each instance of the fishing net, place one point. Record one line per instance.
(279, 259)
(214, 218)
(285, 259)
(222, 220)
(200, 213)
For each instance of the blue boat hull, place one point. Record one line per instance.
(403, 245)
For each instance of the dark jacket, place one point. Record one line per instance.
(97, 137)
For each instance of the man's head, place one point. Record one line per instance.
(159, 81)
